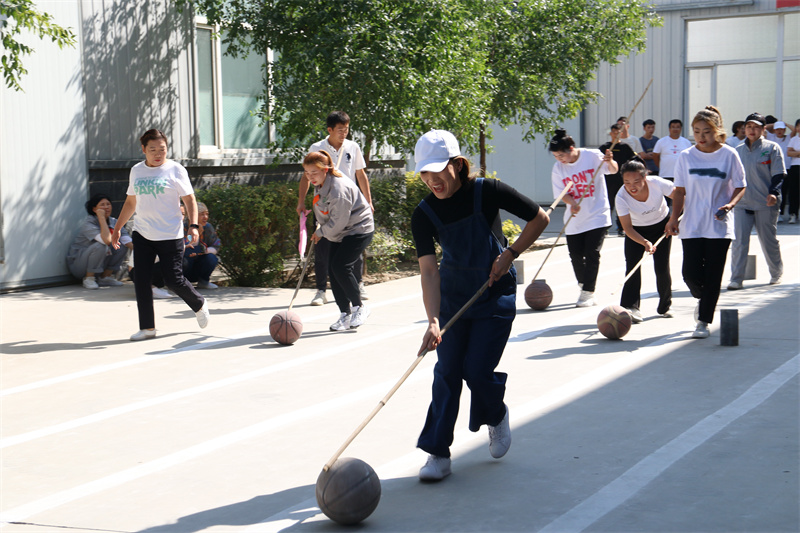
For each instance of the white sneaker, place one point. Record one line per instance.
(667, 314)
(775, 281)
(701, 331)
(735, 285)
(362, 292)
(162, 294)
(359, 316)
(636, 315)
(319, 298)
(342, 324)
(203, 315)
(90, 283)
(500, 438)
(435, 469)
(586, 299)
(109, 281)
(793, 219)
(143, 334)
(207, 285)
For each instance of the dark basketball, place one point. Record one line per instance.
(349, 491)
(614, 322)
(286, 327)
(538, 295)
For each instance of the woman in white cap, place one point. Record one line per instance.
(462, 214)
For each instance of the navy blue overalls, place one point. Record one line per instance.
(472, 347)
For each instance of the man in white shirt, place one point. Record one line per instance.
(349, 160)
(626, 137)
(665, 153)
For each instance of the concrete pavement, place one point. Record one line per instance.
(223, 430)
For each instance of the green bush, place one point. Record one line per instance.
(395, 199)
(258, 227)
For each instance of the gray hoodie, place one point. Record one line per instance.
(341, 209)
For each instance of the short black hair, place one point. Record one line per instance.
(92, 202)
(561, 142)
(337, 117)
(649, 122)
(675, 121)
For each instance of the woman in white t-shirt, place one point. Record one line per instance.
(588, 211)
(157, 186)
(709, 181)
(643, 213)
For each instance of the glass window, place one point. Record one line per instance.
(205, 87)
(744, 88)
(242, 84)
(699, 92)
(732, 38)
(791, 91)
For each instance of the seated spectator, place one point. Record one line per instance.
(200, 260)
(91, 252)
(160, 292)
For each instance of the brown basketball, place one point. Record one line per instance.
(614, 322)
(538, 295)
(349, 491)
(286, 327)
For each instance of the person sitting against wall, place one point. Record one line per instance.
(91, 256)
(200, 260)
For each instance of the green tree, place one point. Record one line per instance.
(19, 15)
(401, 67)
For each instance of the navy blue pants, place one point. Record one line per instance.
(200, 267)
(469, 352)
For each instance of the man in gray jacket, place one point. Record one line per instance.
(765, 171)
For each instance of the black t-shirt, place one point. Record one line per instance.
(622, 153)
(496, 195)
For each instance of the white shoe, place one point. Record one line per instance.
(203, 315)
(636, 315)
(500, 438)
(435, 469)
(775, 281)
(362, 292)
(359, 316)
(207, 285)
(319, 298)
(735, 285)
(143, 334)
(342, 324)
(162, 294)
(109, 281)
(793, 219)
(780, 218)
(586, 299)
(701, 331)
(90, 283)
(667, 314)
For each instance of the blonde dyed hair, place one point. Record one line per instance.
(711, 116)
(323, 160)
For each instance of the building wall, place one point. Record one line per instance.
(664, 61)
(43, 171)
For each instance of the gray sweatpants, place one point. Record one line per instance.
(96, 259)
(766, 224)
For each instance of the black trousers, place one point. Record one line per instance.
(791, 190)
(584, 251)
(321, 261)
(631, 292)
(703, 266)
(170, 255)
(344, 256)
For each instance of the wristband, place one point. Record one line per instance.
(513, 252)
(195, 226)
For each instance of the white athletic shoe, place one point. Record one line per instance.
(90, 283)
(319, 298)
(793, 219)
(162, 294)
(203, 315)
(342, 324)
(109, 281)
(359, 316)
(500, 438)
(435, 468)
(143, 334)
(775, 281)
(636, 315)
(701, 331)
(586, 299)
(735, 285)
(207, 285)
(362, 292)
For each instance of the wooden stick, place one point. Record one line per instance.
(408, 372)
(302, 274)
(639, 264)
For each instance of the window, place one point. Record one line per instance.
(228, 94)
(733, 65)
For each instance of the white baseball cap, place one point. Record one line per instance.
(434, 150)
(780, 124)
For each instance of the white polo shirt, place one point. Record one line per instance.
(347, 160)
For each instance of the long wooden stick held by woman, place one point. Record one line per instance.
(402, 379)
(639, 264)
(614, 142)
(304, 259)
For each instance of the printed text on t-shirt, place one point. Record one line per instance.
(583, 186)
(153, 186)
